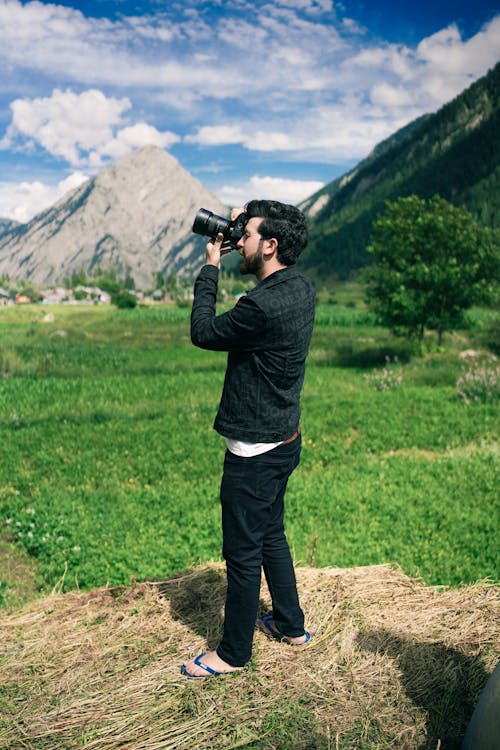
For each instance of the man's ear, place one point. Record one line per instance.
(272, 248)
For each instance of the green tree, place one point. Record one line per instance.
(107, 280)
(80, 295)
(78, 278)
(432, 262)
(129, 282)
(124, 299)
(28, 289)
(158, 280)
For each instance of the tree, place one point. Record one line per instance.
(107, 280)
(432, 262)
(28, 289)
(124, 299)
(78, 278)
(129, 282)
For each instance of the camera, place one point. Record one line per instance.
(209, 224)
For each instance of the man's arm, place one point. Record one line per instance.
(240, 329)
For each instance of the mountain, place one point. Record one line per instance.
(453, 153)
(7, 225)
(135, 216)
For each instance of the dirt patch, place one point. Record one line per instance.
(462, 452)
(18, 575)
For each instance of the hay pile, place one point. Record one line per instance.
(393, 664)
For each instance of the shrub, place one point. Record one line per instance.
(124, 300)
(489, 335)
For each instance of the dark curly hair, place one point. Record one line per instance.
(285, 223)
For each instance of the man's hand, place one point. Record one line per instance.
(213, 251)
(235, 212)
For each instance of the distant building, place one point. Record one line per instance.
(53, 296)
(92, 294)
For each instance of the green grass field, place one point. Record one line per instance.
(110, 468)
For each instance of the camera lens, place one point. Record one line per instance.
(209, 224)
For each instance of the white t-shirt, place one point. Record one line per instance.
(246, 450)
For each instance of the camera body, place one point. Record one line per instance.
(210, 225)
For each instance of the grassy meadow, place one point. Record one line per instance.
(110, 468)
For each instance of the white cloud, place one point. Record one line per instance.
(134, 137)
(353, 27)
(439, 68)
(391, 60)
(268, 188)
(393, 97)
(447, 64)
(83, 129)
(22, 201)
(374, 91)
(313, 6)
(214, 135)
(260, 140)
(192, 63)
(265, 140)
(66, 124)
(446, 51)
(159, 51)
(336, 133)
(290, 76)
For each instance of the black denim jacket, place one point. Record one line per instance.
(267, 336)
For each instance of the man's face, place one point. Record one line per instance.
(250, 248)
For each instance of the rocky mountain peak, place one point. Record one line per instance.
(135, 216)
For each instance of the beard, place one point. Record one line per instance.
(252, 265)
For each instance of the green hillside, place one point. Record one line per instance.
(453, 153)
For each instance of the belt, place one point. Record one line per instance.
(291, 439)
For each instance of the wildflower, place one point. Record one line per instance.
(387, 378)
(479, 383)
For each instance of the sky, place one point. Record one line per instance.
(255, 99)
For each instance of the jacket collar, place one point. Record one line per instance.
(277, 277)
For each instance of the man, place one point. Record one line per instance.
(267, 336)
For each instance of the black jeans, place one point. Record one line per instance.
(252, 498)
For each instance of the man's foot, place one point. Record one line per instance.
(266, 624)
(207, 665)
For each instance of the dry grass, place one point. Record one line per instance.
(394, 664)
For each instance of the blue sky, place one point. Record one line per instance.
(255, 99)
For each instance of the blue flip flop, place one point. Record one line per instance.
(210, 672)
(264, 624)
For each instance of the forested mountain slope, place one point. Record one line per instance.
(453, 153)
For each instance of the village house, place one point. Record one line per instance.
(22, 299)
(91, 294)
(53, 296)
